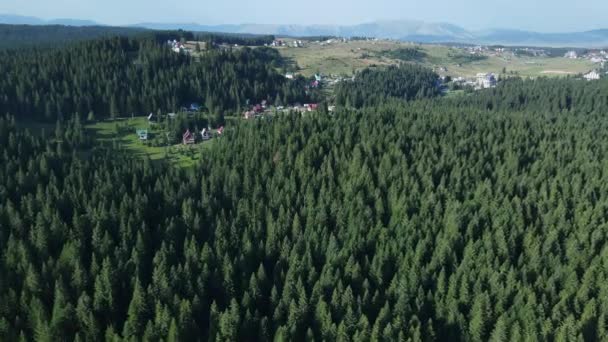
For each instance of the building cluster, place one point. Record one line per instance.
(332, 41)
(285, 43)
(261, 109)
(594, 56)
(597, 56)
(178, 47)
(486, 80)
(592, 75)
(480, 81)
(190, 138)
(277, 43)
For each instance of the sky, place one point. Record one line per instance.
(537, 15)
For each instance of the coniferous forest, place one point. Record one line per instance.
(475, 218)
(121, 76)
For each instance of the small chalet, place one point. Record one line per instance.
(188, 138)
(142, 134)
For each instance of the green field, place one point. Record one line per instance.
(344, 58)
(122, 133)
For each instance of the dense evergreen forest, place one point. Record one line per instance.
(122, 76)
(234, 38)
(401, 216)
(374, 86)
(34, 36)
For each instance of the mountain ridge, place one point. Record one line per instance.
(408, 30)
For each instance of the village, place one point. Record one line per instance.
(449, 69)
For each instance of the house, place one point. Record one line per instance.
(205, 134)
(593, 75)
(171, 115)
(289, 76)
(220, 130)
(331, 108)
(142, 134)
(596, 60)
(258, 108)
(571, 55)
(264, 104)
(188, 138)
(486, 80)
(195, 107)
(309, 107)
(249, 114)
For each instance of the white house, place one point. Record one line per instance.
(571, 55)
(486, 80)
(593, 75)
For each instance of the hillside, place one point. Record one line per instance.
(339, 58)
(468, 219)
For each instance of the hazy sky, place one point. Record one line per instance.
(539, 15)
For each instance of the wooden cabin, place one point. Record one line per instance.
(188, 138)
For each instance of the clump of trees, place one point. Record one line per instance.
(374, 86)
(406, 54)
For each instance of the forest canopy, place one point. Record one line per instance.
(411, 217)
(121, 76)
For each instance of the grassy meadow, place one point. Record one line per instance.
(122, 133)
(345, 58)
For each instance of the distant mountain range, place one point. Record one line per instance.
(23, 20)
(407, 30)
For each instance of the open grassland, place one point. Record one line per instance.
(345, 58)
(122, 134)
